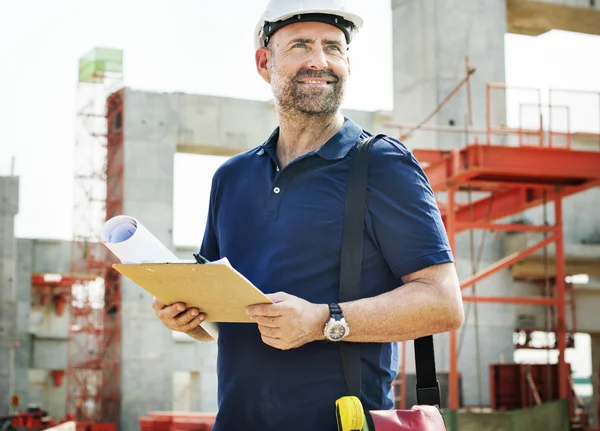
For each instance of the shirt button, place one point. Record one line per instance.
(276, 190)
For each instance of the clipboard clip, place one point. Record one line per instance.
(200, 260)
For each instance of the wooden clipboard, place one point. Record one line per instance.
(217, 290)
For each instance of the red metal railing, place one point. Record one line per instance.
(533, 169)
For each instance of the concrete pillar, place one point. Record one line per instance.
(23, 298)
(9, 206)
(195, 391)
(150, 136)
(208, 377)
(431, 39)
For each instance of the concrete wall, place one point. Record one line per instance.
(199, 359)
(44, 393)
(47, 331)
(23, 296)
(205, 124)
(9, 207)
(431, 40)
(209, 121)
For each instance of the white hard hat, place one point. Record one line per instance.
(279, 13)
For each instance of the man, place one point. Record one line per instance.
(276, 213)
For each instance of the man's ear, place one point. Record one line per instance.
(262, 57)
(348, 61)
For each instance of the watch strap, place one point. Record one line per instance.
(335, 311)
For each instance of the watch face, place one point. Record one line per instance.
(337, 332)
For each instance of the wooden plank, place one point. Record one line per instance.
(209, 150)
(534, 267)
(535, 17)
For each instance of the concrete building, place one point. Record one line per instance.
(161, 371)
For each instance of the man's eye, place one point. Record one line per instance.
(300, 45)
(335, 47)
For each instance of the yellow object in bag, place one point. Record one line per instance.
(350, 414)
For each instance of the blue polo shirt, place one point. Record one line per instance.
(282, 230)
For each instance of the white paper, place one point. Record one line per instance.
(131, 242)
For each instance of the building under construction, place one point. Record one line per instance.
(519, 202)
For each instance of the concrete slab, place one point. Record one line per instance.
(9, 206)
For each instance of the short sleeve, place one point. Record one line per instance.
(402, 211)
(210, 245)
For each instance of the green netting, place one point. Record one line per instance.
(95, 64)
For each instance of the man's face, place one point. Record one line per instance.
(307, 67)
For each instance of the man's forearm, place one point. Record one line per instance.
(411, 311)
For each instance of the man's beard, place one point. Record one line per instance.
(292, 95)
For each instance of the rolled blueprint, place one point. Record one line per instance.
(132, 243)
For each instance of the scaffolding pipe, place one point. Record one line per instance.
(508, 261)
(437, 109)
(453, 375)
(560, 296)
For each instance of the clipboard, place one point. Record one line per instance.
(217, 290)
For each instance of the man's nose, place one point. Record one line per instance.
(318, 59)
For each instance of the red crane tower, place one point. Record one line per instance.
(93, 369)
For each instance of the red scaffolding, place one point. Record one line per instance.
(514, 169)
(93, 362)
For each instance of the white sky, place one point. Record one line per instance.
(183, 45)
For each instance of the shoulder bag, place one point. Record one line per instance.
(426, 415)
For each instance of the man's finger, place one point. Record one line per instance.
(268, 332)
(194, 323)
(271, 341)
(157, 305)
(269, 310)
(187, 317)
(172, 310)
(271, 322)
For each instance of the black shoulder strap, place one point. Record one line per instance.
(428, 389)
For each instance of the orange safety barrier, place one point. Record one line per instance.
(96, 426)
(177, 421)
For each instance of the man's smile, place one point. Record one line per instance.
(316, 82)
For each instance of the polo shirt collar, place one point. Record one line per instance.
(336, 147)
(342, 142)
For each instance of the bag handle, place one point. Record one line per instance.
(428, 388)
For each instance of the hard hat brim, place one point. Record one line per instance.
(347, 23)
(344, 25)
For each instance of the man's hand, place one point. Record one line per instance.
(176, 317)
(290, 322)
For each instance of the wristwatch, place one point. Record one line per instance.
(336, 328)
